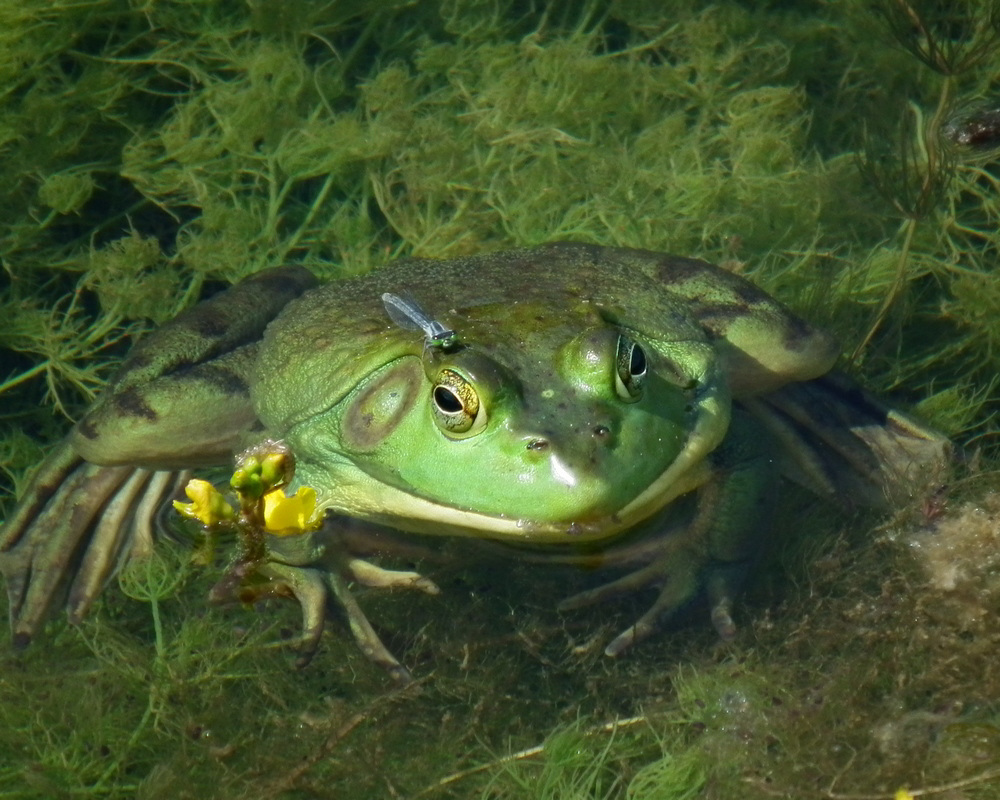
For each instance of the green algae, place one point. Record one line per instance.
(154, 151)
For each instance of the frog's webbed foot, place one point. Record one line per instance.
(841, 442)
(680, 576)
(312, 587)
(78, 522)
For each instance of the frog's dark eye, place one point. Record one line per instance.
(455, 405)
(630, 372)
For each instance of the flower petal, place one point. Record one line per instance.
(208, 506)
(290, 515)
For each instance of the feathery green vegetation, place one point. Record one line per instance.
(841, 154)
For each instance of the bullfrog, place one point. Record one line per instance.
(622, 409)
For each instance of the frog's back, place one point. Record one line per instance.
(761, 343)
(567, 272)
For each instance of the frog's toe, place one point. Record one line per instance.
(643, 628)
(652, 621)
(677, 590)
(626, 584)
(721, 586)
(44, 552)
(373, 576)
(309, 588)
(678, 577)
(364, 634)
(124, 530)
(376, 577)
(77, 522)
(312, 588)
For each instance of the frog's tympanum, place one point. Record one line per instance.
(619, 408)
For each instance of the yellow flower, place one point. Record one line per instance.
(208, 506)
(903, 794)
(290, 515)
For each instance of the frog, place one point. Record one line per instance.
(572, 403)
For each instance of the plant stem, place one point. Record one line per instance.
(24, 376)
(928, 140)
(910, 227)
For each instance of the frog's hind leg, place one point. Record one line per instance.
(842, 442)
(76, 519)
(181, 400)
(42, 536)
(125, 531)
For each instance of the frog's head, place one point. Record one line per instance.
(531, 423)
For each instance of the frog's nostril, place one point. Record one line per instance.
(602, 432)
(538, 444)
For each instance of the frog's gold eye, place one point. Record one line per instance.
(630, 372)
(455, 405)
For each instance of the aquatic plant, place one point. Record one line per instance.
(911, 159)
(153, 152)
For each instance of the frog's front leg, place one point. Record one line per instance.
(712, 553)
(179, 401)
(316, 568)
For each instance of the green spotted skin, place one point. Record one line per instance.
(538, 334)
(611, 407)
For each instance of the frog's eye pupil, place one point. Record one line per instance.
(637, 362)
(630, 370)
(447, 400)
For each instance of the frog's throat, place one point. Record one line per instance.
(397, 508)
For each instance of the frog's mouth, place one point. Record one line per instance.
(395, 507)
(673, 483)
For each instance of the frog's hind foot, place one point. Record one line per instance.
(78, 522)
